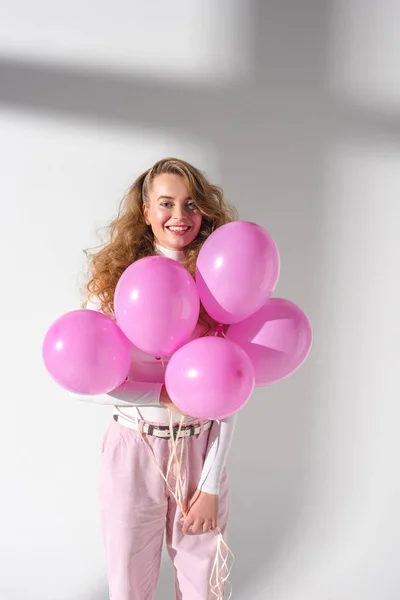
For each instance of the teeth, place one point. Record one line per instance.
(178, 228)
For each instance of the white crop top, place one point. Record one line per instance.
(139, 396)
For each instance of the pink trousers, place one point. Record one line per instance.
(136, 509)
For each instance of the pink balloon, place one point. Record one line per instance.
(85, 352)
(157, 305)
(237, 270)
(277, 338)
(210, 378)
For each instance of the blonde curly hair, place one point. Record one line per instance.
(130, 238)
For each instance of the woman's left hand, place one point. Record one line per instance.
(202, 515)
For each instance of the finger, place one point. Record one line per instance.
(187, 523)
(197, 527)
(207, 526)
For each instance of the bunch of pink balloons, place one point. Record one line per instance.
(157, 306)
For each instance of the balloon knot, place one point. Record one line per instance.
(219, 330)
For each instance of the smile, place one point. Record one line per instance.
(178, 229)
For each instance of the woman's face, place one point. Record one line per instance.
(171, 212)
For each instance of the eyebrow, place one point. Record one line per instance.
(171, 198)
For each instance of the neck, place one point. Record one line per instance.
(174, 254)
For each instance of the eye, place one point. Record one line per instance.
(166, 204)
(192, 205)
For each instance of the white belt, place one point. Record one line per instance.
(164, 431)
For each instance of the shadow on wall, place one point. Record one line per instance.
(269, 131)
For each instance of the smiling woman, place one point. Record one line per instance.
(170, 210)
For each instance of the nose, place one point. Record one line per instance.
(178, 211)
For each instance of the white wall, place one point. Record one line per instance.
(295, 111)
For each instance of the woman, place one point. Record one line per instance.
(170, 210)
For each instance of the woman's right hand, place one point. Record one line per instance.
(166, 401)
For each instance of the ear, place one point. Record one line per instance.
(146, 214)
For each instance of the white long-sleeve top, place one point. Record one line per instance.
(139, 396)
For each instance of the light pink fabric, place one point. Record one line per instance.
(136, 510)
